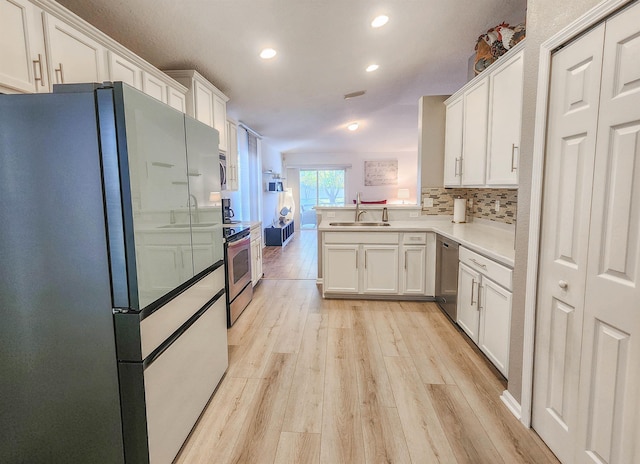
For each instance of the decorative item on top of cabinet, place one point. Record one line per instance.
(24, 69)
(204, 102)
(483, 120)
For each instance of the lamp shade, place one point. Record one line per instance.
(215, 197)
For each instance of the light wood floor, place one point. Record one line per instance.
(350, 381)
(298, 259)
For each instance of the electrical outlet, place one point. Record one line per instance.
(427, 202)
(413, 214)
(331, 214)
(497, 207)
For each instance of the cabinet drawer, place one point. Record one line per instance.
(496, 272)
(366, 237)
(415, 238)
(155, 328)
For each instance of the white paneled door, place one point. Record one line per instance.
(609, 375)
(571, 141)
(587, 376)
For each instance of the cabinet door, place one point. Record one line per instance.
(468, 314)
(203, 97)
(73, 56)
(176, 99)
(220, 120)
(341, 269)
(453, 144)
(430, 272)
(256, 257)
(22, 56)
(380, 269)
(121, 69)
(153, 86)
(414, 267)
(495, 324)
(505, 121)
(474, 139)
(232, 157)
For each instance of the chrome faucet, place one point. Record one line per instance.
(196, 218)
(358, 212)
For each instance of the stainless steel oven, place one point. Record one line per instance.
(238, 267)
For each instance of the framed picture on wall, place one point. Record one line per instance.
(380, 172)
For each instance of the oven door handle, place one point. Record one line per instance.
(238, 243)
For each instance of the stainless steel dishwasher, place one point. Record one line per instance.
(447, 276)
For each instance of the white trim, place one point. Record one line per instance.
(511, 403)
(589, 19)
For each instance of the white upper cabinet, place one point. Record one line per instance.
(474, 138)
(122, 69)
(220, 121)
(453, 144)
(482, 138)
(177, 99)
(154, 87)
(204, 102)
(504, 122)
(73, 56)
(23, 64)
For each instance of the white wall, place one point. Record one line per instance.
(271, 160)
(407, 172)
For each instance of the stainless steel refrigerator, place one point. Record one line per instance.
(112, 307)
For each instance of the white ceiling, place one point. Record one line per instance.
(296, 99)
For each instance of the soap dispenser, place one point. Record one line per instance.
(385, 214)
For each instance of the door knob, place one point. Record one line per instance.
(563, 284)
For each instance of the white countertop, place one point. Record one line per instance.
(495, 242)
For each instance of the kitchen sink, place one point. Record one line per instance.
(360, 224)
(186, 226)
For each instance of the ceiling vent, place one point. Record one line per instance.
(359, 93)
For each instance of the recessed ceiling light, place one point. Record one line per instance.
(379, 21)
(372, 67)
(353, 126)
(267, 53)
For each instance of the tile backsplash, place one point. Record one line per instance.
(480, 202)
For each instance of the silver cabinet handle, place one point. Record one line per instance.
(356, 259)
(473, 283)
(563, 284)
(513, 151)
(61, 71)
(365, 259)
(479, 297)
(458, 172)
(405, 260)
(38, 62)
(483, 266)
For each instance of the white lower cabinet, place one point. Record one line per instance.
(379, 263)
(495, 324)
(341, 274)
(414, 260)
(256, 253)
(468, 312)
(484, 305)
(380, 271)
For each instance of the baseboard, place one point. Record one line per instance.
(512, 404)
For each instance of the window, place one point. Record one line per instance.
(319, 187)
